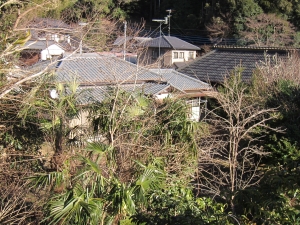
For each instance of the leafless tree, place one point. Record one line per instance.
(18, 203)
(279, 68)
(231, 152)
(268, 30)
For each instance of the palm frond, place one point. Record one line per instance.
(52, 179)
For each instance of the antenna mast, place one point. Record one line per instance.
(165, 21)
(169, 18)
(125, 30)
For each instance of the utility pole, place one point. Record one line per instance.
(125, 30)
(82, 25)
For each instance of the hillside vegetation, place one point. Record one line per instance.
(142, 161)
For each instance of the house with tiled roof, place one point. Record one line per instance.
(92, 69)
(34, 51)
(40, 50)
(50, 29)
(133, 41)
(96, 75)
(50, 37)
(219, 63)
(165, 51)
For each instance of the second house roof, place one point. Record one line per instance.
(169, 42)
(221, 62)
(93, 69)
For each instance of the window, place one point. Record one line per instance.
(181, 55)
(178, 55)
(175, 55)
(191, 55)
(154, 53)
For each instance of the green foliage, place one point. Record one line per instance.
(285, 146)
(174, 124)
(140, 128)
(111, 186)
(15, 133)
(244, 9)
(151, 177)
(276, 199)
(169, 119)
(288, 9)
(92, 198)
(177, 204)
(53, 114)
(88, 10)
(115, 114)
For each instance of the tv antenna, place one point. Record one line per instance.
(160, 21)
(169, 19)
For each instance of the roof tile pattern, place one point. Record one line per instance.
(181, 81)
(170, 42)
(105, 70)
(97, 74)
(39, 44)
(94, 94)
(218, 64)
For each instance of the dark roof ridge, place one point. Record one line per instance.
(231, 47)
(196, 60)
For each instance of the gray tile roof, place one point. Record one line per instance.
(120, 40)
(48, 65)
(150, 88)
(91, 68)
(88, 95)
(170, 43)
(95, 74)
(216, 65)
(38, 44)
(181, 81)
(92, 94)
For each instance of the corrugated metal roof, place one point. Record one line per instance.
(145, 88)
(154, 88)
(97, 74)
(169, 42)
(92, 68)
(88, 95)
(216, 65)
(93, 94)
(181, 81)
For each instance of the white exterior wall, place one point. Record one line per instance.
(50, 51)
(162, 96)
(195, 113)
(185, 57)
